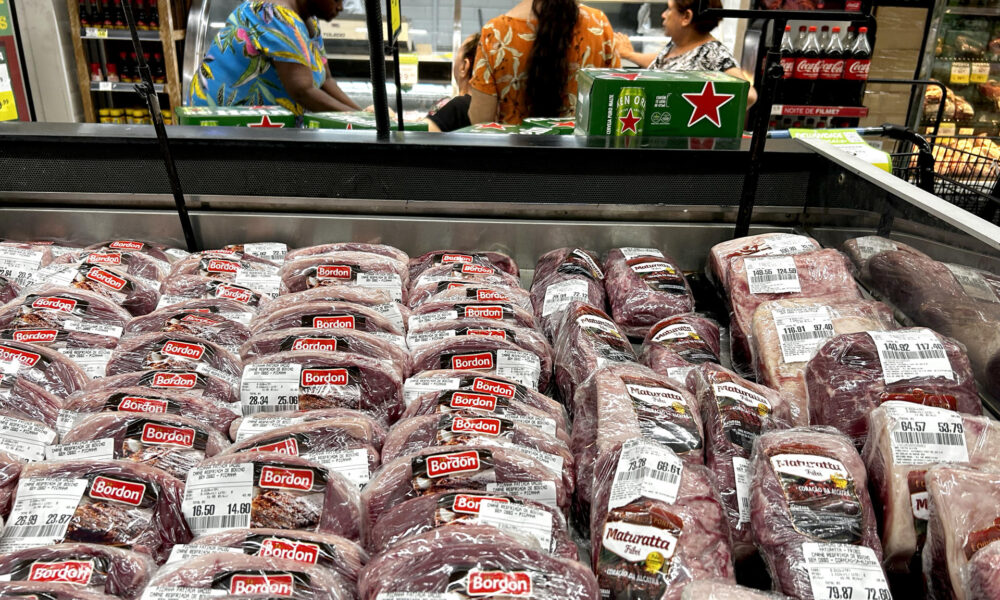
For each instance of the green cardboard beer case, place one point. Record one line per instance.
(355, 120)
(539, 126)
(620, 102)
(490, 128)
(236, 116)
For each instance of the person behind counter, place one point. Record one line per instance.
(691, 46)
(455, 114)
(271, 53)
(528, 57)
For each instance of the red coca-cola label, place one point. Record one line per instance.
(484, 312)
(477, 425)
(183, 350)
(104, 258)
(218, 265)
(852, 5)
(499, 583)
(788, 65)
(497, 333)
(107, 278)
(480, 360)
(127, 245)
(158, 434)
(35, 336)
(283, 478)
(469, 504)
(491, 296)
(456, 258)
(337, 322)
(490, 386)
(27, 359)
(334, 271)
(808, 68)
(484, 402)
(199, 320)
(126, 492)
(832, 69)
(321, 344)
(233, 292)
(312, 377)
(295, 550)
(289, 446)
(54, 303)
(140, 404)
(262, 585)
(449, 464)
(78, 572)
(475, 269)
(856, 69)
(184, 381)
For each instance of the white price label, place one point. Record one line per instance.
(389, 282)
(546, 424)
(645, 470)
(25, 439)
(679, 374)
(518, 519)
(552, 462)
(391, 311)
(522, 367)
(96, 32)
(259, 281)
(787, 244)
(105, 86)
(973, 283)
(910, 354)
(94, 361)
(177, 253)
(162, 592)
(243, 318)
(413, 340)
(184, 552)
(100, 449)
(41, 512)
(270, 387)
(559, 295)
(105, 329)
(741, 468)
(262, 423)
(218, 497)
(415, 387)
(169, 300)
(542, 492)
(631, 253)
(923, 435)
(19, 264)
(871, 245)
(351, 464)
(442, 315)
(801, 330)
(844, 571)
(772, 275)
(272, 251)
(65, 420)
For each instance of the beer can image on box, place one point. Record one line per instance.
(630, 111)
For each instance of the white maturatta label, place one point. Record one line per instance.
(389, 282)
(93, 361)
(41, 512)
(871, 245)
(635, 542)
(25, 440)
(183, 552)
(19, 264)
(272, 251)
(543, 492)
(218, 497)
(973, 283)
(677, 331)
(351, 464)
(263, 423)
(270, 387)
(268, 284)
(415, 387)
(522, 367)
(518, 519)
(645, 470)
(911, 353)
(772, 275)
(923, 435)
(99, 449)
(838, 571)
(801, 330)
(559, 295)
(741, 467)
(105, 329)
(631, 253)
(390, 311)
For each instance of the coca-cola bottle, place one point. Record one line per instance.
(829, 86)
(788, 57)
(824, 36)
(856, 69)
(807, 67)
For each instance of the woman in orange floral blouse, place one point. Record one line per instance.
(527, 60)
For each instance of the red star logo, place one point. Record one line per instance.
(629, 76)
(349, 126)
(492, 126)
(565, 124)
(265, 121)
(707, 104)
(629, 121)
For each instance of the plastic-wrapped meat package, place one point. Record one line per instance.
(222, 265)
(982, 576)
(195, 287)
(441, 277)
(464, 292)
(271, 490)
(305, 380)
(133, 263)
(471, 561)
(588, 340)
(19, 263)
(44, 367)
(500, 313)
(24, 399)
(162, 351)
(110, 502)
(49, 591)
(147, 400)
(562, 276)
(755, 280)
(644, 286)
(172, 443)
(854, 373)
(679, 343)
(154, 251)
(8, 290)
(326, 550)
(359, 269)
(504, 511)
(966, 321)
(241, 575)
(448, 468)
(272, 251)
(451, 257)
(379, 249)
(657, 523)
(526, 338)
(787, 333)
(219, 391)
(211, 326)
(247, 427)
(721, 255)
(735, 412)
(335, 292)
(64, 317)
(487, 355)
(346, 444)
(10, 471)
(904, 441)
(23, 439)
(860, 250)
(811, 516)
(717, 589)
(468, 429)
(114, 571)
(325, 315)
(908, 280)
(313, 339)
(137, 295)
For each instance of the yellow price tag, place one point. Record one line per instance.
(397, 20)
(96, 32)
(979, 72)
(960, 73)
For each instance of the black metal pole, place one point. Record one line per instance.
(376, 47)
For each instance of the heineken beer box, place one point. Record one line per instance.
(490, 128)
(652, 103)
(235, 116)
(356, 120)
(536, 126)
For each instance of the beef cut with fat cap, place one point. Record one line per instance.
(95, 568)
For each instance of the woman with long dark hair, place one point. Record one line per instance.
(527, 60)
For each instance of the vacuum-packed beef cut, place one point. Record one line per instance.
(812, 518)
(110, 502)
(588, 340)
(441, 277)
(209, 323)
(137, 295)
(44, 367)
(487, 355)
(132, 263)
(904, 440)
(648, 503)
(249, 426)
(10, 471)
(222, 392)
(273, 490)
(909, 280)
(49, 591)
(8, 290)
(148, 400)
(527, 338)
(644, 286)
(472, 561)
(562, 276)
(500, 313)
(64, 317)
(723, 254)
(195, 287)
(853, 373)
(717, 589)
(787, 333)
(219, 264)
(20, 263)
(170, 442)
(114, 571)
(368, 248)
(860, 250)
(359, 269)
(677, 343)
(154, 251)
(505, 511)
(325, 315)
(24, 399)
(335, 292)
(23, 439)
(461, 257)
(479, 294)
(313, 339)
(163, 351)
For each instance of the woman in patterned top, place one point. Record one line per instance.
(527, 60)
(271, 53)
(691, 46)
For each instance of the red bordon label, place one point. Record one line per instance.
(456, 258)
(54, 303)
(484, 312)
(477, 425)
(499, 388)
(469, 504)
(232, 292)
(282, 478)
(174, 380)
(491, 296)
(183, 350)
(104, 258)
(334, 271)
(289, 446)
(497, 333)
(158, 434)
(449, 464)
(106, 277)
(140, 404)
(262, 585)
(337, 322)
(35, 336)
(302, 552)
(126, 492)
(475, 269)
(322, 344)
(218, 265)
(78, 572)
(127, 245)
(499, 583)
(481, 360)
(27, 359)
(474, 401)
(312, 377)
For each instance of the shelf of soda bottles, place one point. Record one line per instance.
(120, 86)
(100, 33)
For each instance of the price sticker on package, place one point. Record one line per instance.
(645, 470)
(772, 275)
(801, 330)
(979, 72)
(838, 571)
(911, 353)
(218, 497)
(925, 434)
(42, 512)
(270, 387)
(960, 72)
